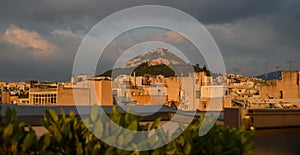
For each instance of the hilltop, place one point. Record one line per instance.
(155, 57)
(157, 62)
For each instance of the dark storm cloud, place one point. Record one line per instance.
(60, 13)
(206, 11)
(272, 39)
(246, 32)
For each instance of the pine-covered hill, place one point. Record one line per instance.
(154, 70)
(157, 62)
(160, 69)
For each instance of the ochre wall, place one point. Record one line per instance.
(289, 85)
(173, 89)
(104, 92)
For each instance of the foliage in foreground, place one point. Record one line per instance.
(69, 135)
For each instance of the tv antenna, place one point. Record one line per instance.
(290, 62)
(266, 71)
(277, 70)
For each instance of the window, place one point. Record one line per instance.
(281, 94)
(226, 92)
(115, 92)
(197, 94)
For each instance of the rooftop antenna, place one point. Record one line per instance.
(277, 70)
(266, 70)
(290, 63)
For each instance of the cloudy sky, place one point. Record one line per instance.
(39, 39)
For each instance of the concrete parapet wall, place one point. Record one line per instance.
(274, 118)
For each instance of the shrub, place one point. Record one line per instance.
(16, 138)
(69, 135)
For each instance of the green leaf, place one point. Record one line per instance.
(63, 114)
(28, 140)
(8, 131)
(115, 115)
(180, 140)
(86, 121)
(94, 113)
(65, 129)
(133, 125)
(156, 152)
(111, 139)
(187, 148)
(121, 140)
(57, 135)
(155, 123)
(79, 149)
(114, 110)
(44, 122)
(96, 149)
(109, 151)
(71, 114)
(22, 125)
(98, 129)
(52, 115)
(46, 141)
